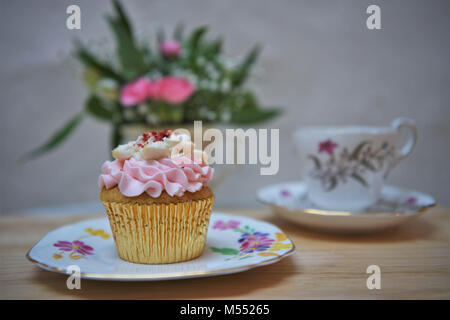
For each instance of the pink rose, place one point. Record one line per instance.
(136, 92)
(172, 89)
(152, 90)
(170, 48)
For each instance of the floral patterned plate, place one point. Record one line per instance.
(397, 205)
(234, 244)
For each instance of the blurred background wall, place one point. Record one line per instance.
(319, 61)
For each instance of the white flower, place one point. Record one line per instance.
(128, 114)
(226, 85)
(107, 89)
(142, 109)
(211, 115)
(152, 119)
(226, 116)
(201, 61)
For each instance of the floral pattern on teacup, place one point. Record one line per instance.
(339, 167)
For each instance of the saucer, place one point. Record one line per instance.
(234, 244)
(397, 205)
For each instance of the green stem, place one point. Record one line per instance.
(116, 134)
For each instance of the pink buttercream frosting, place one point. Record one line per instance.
(134, 177)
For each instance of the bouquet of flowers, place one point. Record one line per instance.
(173, 82)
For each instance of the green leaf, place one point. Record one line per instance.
(360, 179)
(214, 48)
(358, 149)
(95, 107)
(333, 183)
(316, 161)
(130, 56)
(56, 139)
(93, 62)
(178, 32)
(225, 251)
(91, 77)
(253, 115)
(122, 17)
(160, 35)
(195, 39)
(243, 70)
(368, 165)
(245, 109)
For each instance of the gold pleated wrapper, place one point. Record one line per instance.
(159, 232)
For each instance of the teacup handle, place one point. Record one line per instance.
(409, 125)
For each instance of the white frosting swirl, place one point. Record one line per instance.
(159, 145)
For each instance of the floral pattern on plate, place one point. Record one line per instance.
(243, 242)
(77, 248)
(250, 242)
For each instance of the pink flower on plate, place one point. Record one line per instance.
(173, 90)
(221, 225)
(170, 49)
(327, 146)
(136, 92)
(75, 246)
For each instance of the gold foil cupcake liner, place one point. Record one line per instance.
(159, 232)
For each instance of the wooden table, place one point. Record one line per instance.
(414, 262)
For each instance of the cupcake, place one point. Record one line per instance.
(157, 198)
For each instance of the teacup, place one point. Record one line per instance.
(344, 167)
